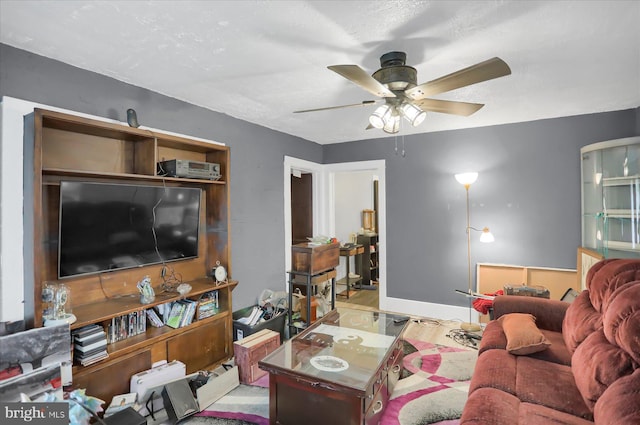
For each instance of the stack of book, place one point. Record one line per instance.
(182, 313)
(90, 344)
(208, 305)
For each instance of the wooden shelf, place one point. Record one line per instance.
(153, 335)
(368, 271)
(76, 148)
(105, 310)
(124, 176)
(349, 281)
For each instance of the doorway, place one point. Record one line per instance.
(301, 206)
(324, 211)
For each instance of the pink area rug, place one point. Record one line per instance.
(432, 390)
(434, 386)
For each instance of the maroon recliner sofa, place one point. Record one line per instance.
(588, 369)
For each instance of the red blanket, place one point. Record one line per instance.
(483, 306)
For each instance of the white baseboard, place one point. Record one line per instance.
(425, 309)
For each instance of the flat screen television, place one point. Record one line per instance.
(105, 227)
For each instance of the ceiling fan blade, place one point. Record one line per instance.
(448, 106)
(363, 103)
(360, 77)
(483, 71)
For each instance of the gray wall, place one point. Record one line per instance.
(527, 192)
(257, 153)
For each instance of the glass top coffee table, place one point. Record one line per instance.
(340, 370)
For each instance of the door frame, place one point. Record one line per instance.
(324, 211)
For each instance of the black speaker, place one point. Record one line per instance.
(179, 401)
(132, 118)
(127, 416)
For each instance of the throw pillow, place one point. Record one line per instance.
(523, 336)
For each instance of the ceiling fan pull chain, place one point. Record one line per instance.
(396, 139)
(403, 145)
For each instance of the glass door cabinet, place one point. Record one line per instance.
(611, 197)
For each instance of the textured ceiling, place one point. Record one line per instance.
(261, 60)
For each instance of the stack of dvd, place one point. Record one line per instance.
(126, 326)
(90, 344)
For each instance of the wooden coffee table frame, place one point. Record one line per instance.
(296, 398)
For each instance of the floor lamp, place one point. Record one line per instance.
(467, 179)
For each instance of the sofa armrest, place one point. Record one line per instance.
(549, 314)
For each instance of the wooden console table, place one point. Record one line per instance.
(310, 281)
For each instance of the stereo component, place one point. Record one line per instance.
(189, 169)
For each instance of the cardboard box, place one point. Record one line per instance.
(250, 350)
(220, 383)
(314, 259)
(314, 309)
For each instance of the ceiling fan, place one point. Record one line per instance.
(396, 83)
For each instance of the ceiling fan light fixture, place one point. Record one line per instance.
(412, 113)
(380, 116)
(397, 84)
(392, 124)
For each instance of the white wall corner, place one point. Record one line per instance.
(12, 112)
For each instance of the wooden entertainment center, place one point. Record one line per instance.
(63, 147)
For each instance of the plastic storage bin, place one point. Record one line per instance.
(240, 330)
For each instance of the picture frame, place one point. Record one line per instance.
(586, 259)
(36, 363)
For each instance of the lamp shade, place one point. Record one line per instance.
(486, 236)
(380, 116)
(412, 113)
(392, 125)
(466, 178)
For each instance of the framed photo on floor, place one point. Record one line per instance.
(586, 259)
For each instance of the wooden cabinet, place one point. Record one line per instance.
(370, 265)
(99, 380)
(207, 339)
(62, 147)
